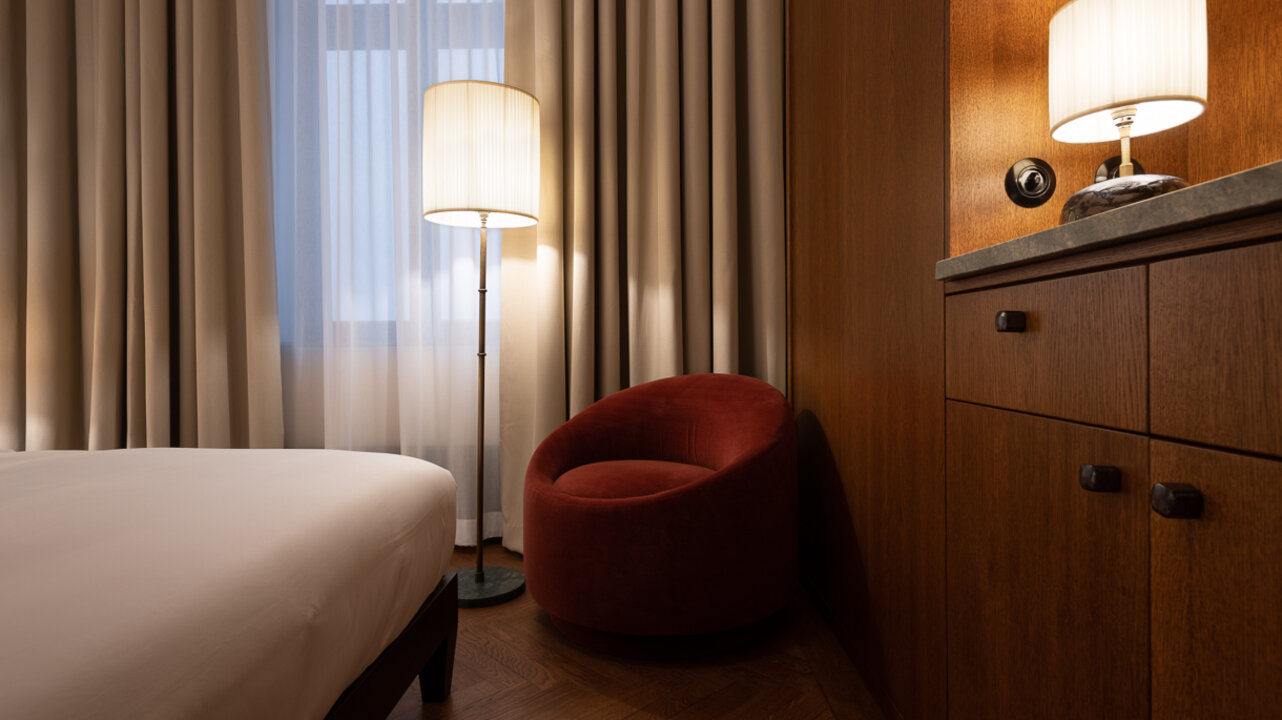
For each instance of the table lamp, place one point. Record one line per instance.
(1121, 69)
(481, 169)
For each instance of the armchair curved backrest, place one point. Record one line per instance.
(712, 420)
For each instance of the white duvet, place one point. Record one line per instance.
(173, 583)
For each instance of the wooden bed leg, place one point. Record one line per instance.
(433, 630)
(435, 678)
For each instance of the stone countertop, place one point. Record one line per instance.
(1246, 193)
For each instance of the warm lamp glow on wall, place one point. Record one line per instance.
(1121, 69)
(481, 170)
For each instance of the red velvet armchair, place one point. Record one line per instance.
(667, 509)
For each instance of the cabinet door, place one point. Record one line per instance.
(1047, 582)
(1080, 356)
(1216, 348)
(1217, 588)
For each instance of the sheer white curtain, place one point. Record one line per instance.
(378, 308)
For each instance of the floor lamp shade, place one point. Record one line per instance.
(1106, 55)
(480, 155)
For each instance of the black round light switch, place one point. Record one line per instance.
(1030, 182)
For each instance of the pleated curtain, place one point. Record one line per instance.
(660, 248)
(137, 288)
(379, 308)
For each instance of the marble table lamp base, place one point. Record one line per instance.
(1115, 193)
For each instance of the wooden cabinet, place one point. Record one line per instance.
(1217, 348)
(1047, 582)
(1081, 355)
(1064, 603)
(1217, 588)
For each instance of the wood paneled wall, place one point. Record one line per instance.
(999, 112)
(1242, 125)
(867, 205)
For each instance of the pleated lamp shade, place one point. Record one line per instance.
(1111, 54)
(480, 154)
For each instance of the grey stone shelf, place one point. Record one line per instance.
(1242, 194)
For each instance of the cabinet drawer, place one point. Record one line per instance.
(1047, 582)
(1217, 348)
(1217, 584)
(1081, 357)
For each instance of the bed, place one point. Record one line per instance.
(176, 583)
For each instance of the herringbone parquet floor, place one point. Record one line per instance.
(512, 663)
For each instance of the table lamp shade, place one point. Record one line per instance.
(1111, 54)
(480, 154)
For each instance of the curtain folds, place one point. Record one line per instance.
(137, 286)
(378, 306)
(660, 247)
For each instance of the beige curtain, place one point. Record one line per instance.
(137, 286)
(660, 243)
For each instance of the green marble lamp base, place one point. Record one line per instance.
(500, 585)
(1116, 192)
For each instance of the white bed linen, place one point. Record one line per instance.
(172, 583)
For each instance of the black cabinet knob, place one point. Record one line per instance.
(1100, 478)
(1176, 500)
(1011, 321)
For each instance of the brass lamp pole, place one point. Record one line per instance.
(480, 414)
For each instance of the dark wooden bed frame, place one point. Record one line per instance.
(425, 648)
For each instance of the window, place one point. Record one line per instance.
(347, 82)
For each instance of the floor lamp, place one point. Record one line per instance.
(481, 169)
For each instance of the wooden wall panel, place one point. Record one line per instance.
(1242, 125)
(999, 112)
(867, 208)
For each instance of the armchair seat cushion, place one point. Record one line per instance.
(628, 478)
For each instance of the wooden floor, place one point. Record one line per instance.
(512, 663)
